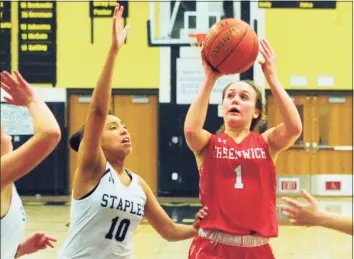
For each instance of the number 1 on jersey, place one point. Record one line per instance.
(238, 183)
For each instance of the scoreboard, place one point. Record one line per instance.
(99, 9)
(298, 4)
(37, 41)
(5, 36)
(105, 9)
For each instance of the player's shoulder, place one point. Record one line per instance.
(260, 138)
(218, 137)
(140, 181)
(135, 177)
(265, 135)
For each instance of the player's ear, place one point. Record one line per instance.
(256, 114)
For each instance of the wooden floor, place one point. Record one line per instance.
(292, 243)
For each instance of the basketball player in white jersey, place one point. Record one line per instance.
(17, 163)
(108, 200)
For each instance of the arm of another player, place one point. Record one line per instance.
(197, 138)
(286, 133)
(46, 136)
(163, 224)
(310, 214)
(90, 155)
(38, 241)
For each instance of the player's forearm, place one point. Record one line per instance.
(197, 111)
(180, 232)
(43, 119)
(336, 222)
(289, 112)
(102, 93)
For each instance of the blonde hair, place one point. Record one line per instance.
(260, 105)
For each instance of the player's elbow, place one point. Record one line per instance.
(169, 239)
(196, 141)
(296, 130)
(188, 130)
(52, 136)
(55, 135)
(168, 232)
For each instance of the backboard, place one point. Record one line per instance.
(170, 22)
(169, 26)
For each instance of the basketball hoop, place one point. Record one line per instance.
(200, 37)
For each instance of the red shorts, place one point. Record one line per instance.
(202, 248)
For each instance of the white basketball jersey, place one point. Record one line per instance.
(102, 224)
(12, 227)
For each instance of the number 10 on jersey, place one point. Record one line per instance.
(122, 230)
(238, 182)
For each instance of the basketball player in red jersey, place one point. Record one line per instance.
(237, 166)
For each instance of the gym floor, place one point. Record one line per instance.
(293, 242)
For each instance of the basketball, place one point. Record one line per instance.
(231, 46)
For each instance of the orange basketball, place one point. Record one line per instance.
(231, 46)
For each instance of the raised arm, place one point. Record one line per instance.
(46, 136)
(310, 214)
(163, 224)
(90, 157)
(286, 133)
(197, 138)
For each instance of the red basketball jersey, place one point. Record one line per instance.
(238, 185)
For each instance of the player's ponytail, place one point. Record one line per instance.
(77, 137)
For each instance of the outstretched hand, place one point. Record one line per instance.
(302, 214)
(21, 92)
(118, 35)
(38, 241)
(269, 63)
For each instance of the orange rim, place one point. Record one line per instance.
(200, 37)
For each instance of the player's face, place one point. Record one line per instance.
(6, 144)
(239, 105)
(115, 136)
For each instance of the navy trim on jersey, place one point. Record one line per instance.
(129, 174)
(90, 192)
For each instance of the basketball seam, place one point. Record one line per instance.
(255, 45)
(233, 48)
